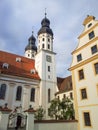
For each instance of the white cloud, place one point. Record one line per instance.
(18, 17)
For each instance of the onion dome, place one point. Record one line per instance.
(31, 44)
(45, 27)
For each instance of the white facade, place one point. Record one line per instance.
(68, 94)
(12, 82)
(85, 76)
(46, 67)
(30, 54)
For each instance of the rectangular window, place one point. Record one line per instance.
(83, 93)
(96, 68)
(64, 95)
(49, 93)
(48, 68)
(48, 76)
(42, 45)
(71, 95)
(81, 74)
(48, 58)
(87, 121)
(91, 35)
(94, 49)
(79, 57)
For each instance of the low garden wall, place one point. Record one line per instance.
(55, 125)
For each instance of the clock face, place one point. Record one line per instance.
(48, 58)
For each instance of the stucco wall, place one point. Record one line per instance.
(55, 125)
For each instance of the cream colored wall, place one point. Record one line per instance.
(84, 39)
(90, 80)
(86, 53)
(93, 110)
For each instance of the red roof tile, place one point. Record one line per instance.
(21, 69)
(64, 84)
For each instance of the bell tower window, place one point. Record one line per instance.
(43, 39)
(43, 45)
(48, 40)
(48, 68)
(48, 46)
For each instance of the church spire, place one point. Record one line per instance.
(45, 26)
(31, 49)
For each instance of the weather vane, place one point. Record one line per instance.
(32, 29)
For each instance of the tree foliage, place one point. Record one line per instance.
(39, 114)
(61, 110)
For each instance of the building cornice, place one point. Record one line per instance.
(47, 51)
(19, 79)
(87, 44)
(84, 62)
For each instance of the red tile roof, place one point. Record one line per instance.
(64, 84)
(20, 69)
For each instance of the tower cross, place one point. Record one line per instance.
(45, 13)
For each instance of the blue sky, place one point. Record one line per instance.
(19, 17)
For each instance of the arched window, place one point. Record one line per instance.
(32, 96)
(49, 95)
(18, 93)
(48, 46)
(43, 46)
(2, 91)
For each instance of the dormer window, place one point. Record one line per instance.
(32, 71)
(18, 59)
(5, 65)
(89, 25)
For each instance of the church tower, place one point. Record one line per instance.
(31, 49)
(45, 64)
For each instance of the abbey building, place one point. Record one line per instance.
(30, 80)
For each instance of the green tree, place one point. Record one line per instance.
(61, 110)
(67, 109)
(54, 109)
(39, 114)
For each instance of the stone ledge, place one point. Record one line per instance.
(55, 121)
